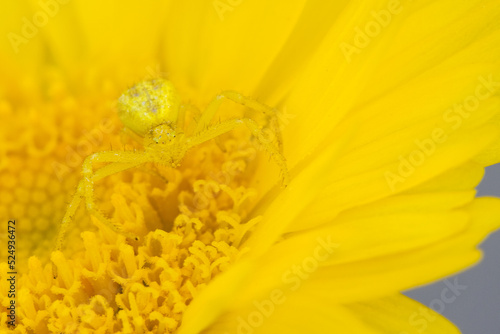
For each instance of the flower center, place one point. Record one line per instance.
(41, 151)
(191, 221)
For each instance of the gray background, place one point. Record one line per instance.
(477, 309)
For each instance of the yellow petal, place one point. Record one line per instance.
(388, 170)
(315, 21)
(330, 88)
(138, 24)
(356, 239)
(385, 275)
(215, 298)
(226, 44)
(491, 155)
(295, 312)
(372, 257)
(437, 35)
(279, 214)
(291, 313)
(464, 177)
(22, 49)
(60, 35)
(400, 314)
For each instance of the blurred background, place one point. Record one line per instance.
(475, 308)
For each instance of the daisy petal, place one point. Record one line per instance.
(140, 24)
(491, 155)
(356, 183)
(291, 314)
(333, 94)
(392, 228)
(400, 314)
(394, 253)
(294, 313)
(217, 46)
(22, 48)
(390, 274)
(464, 177)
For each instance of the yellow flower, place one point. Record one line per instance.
(388, 112)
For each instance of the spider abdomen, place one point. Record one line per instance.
(148, 104)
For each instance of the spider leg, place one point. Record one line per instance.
(68, 216)
(107, 170)
(236, 97)
(114, 157)
(226, 126)
(85, 190)
(275, 153)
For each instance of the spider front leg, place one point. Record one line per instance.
(119, 161)
(226, 126)
(238, 98)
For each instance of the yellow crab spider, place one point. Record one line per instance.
(152, 110)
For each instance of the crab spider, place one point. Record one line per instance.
(152, 111)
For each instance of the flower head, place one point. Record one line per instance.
(386, 113)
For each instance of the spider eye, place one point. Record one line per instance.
(148, 104)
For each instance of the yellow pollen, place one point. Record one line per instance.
(146, 286)
(190, 218)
